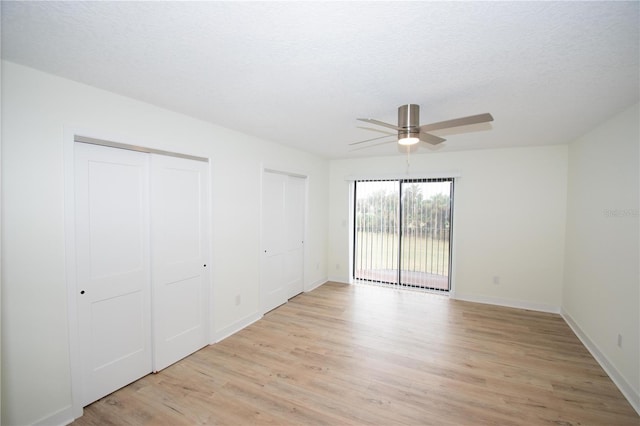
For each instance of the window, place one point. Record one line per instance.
(402, 232)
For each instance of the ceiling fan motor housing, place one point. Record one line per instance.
(409, 120)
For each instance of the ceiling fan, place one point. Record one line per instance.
(410, 132)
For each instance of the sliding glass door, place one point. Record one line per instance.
(402, 232)
(377, 225)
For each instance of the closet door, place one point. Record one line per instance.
(113, 273)
(283, 219)
(294, 212)
(179, 205)
(273, 288)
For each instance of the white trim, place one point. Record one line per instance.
(393, 176)
(340, 280)
(305, 235)
(250, 319)
(453, 256)
(351, 229)
(632, 395)
(315, 285)
(510, 303)
(70, 272)
(236, 326)
(260, 244)
(210, 229)
(64, 416)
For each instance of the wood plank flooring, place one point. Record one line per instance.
(344, 355)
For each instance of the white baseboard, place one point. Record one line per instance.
(341, 280)
(315, 285)
(632, 395)
(235, 327)
(510, 303)
(250, 319)
(61, 417)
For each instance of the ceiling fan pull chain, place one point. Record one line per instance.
(408, 163)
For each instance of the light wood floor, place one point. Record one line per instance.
(368, 355)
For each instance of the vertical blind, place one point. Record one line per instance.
(402, 232)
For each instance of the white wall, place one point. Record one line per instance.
(0, 227)
(38, 110)
(601, 295)
(509, 220)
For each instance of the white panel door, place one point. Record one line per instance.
(179, 204)
(295, 195)
(273, 288)
(113, 273)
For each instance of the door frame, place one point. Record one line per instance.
(70, 135)
(400, 231)
(266, 168)
(457, 178)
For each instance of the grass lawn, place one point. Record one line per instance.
(379, 250)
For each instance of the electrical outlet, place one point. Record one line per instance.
(619, 340)
(496, 280)
(238, 299)
(337, 266)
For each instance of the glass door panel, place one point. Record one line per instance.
(403, 231)
(425, 234)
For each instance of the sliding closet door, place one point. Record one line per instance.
(179, 205)
(273, 288)
(141, 263)
(113, 272)
(283, 222)
(294, 205)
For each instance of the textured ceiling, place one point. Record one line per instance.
(300, 73)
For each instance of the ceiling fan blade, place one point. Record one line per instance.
(456, 122)
(377, 129)
(372, 145)
(379, 123)
(431, 139)
(372, 139)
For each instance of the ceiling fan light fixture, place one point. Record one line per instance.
(410, 132)
(408, 140)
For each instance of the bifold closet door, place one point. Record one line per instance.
(113, 268)
(179, 206)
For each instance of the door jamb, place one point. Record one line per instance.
(70, 272)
